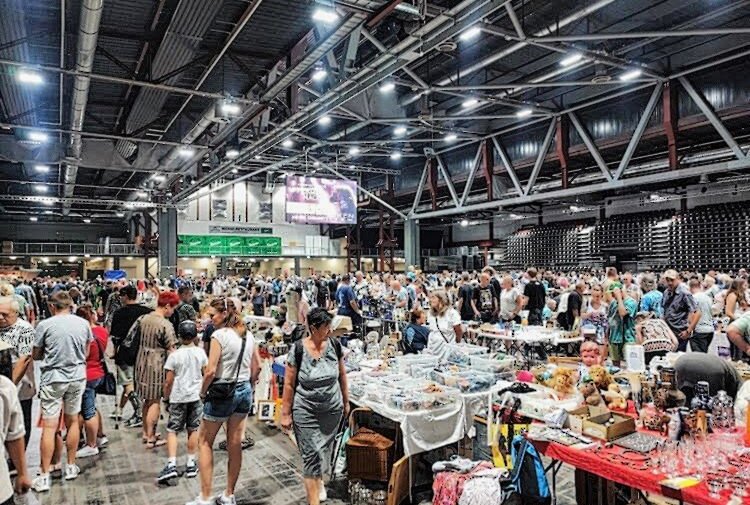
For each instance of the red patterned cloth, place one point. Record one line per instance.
(586, 460)
(448, 486)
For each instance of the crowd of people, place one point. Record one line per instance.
(184, 341)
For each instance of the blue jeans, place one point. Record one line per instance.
(239, 405)
(88, 403)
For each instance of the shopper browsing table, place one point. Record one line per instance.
(694, 367)
(621, 316)
(511, 301)
(315, 398)
(536, 297)
(680, 311)
(704, 330)
(484, 300)
(444, 323)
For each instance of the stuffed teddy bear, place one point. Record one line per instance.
(615, 399)
(591, 394)
(600, 376)
(563, 381)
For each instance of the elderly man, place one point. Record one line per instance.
(16, 362)
(739, 334)
(680, 310)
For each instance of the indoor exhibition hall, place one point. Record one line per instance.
(375, 252)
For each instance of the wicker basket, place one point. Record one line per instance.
(369, 456)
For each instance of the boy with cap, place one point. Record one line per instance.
(185, 368)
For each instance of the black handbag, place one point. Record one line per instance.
(222, 391)
(108, 385)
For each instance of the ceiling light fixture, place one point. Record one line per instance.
(186, 152)
(33, 219)
(142, 194)
(120, 214)
(257, 156)
(48, 201)
(325, 15)
(48, 212)
(158, 178)
(354, 150)
(230, 108)
(40, 188)
(86, 255)
(470, 102)
(43, 169)
(316, 164)
(87, 220)
(396, 155)
(37, 136)
(525, 112)
(72, 259)
(471, 33)
(325, 120)
(387, 86)
(399, 130)
(450, 137)
(629, 76)
(571, 59)
(129, 258)
(235, 171)
(29, 77)
(288, 143)
(464, 223)
(319, 74)
(13, 258)
(232, 153)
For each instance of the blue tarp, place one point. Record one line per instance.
(114, 275)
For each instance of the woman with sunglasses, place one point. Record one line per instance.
(233, 363)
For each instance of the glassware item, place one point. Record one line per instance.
(655, 460)
(714, 488)
(722, 411)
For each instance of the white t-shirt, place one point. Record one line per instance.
(442, 332)
(11, 428)
(187, 364)
(508, 303)
(231, 343)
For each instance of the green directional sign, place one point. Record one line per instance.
(223, 245)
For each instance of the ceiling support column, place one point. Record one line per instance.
(562, 145)
(488, 169)
(432, 180)
(167, 243)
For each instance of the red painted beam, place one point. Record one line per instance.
(562, 148)
(670, 122)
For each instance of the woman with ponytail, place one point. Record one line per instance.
(233, 365)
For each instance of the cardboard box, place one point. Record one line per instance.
(577, 416)
(596, 426)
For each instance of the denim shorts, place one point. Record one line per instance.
(239, 405)
(88, 403)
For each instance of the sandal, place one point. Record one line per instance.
(153, 444)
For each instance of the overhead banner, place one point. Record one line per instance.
(217, 245)
(314, 200)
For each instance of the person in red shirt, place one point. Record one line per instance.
(92, 419)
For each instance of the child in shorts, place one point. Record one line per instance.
(185, 368)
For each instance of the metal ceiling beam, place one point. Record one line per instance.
(420, 188)
(422, 41)
(591, 146)
(98, 135)
(79, 200)
(540, 157)
(638, 133)
(533, 85)
(707, 32)
(710, 114)
(448, 182)
(472, 174)
(120, 80)
(562, 194)
(508, 166)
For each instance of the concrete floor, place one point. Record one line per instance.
(125, 473)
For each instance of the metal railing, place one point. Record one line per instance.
(452, 251)
(73, 249)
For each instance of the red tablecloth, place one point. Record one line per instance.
(584, 459)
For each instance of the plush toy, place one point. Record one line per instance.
(525, 376)
(600, 376)
(590, 394)
(615, 399)
(563, 381)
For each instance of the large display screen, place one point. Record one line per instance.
(314, 200)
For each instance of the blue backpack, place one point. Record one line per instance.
(528, 482)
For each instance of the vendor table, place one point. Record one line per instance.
(524, 342)
(584, 459)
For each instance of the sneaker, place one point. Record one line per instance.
(117, 416)
(41, 484)
(72, 472)
(134, 422)
(87, 451)
(191, 469)
(323, 494)
(225, 500)
(199, 501)
(168, 472)
(102, 441)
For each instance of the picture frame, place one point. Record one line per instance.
(266, 410)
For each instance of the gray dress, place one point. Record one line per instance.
(317, 410)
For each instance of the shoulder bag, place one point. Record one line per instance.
(223, 391)
(108, 385)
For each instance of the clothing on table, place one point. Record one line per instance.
(231, 345)
(156, 338)
(187, 363)
(442, 332)
(65, 339)
(20, 336)
(94, 368)
(11, 428)
(651, 302)
(318, 407)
